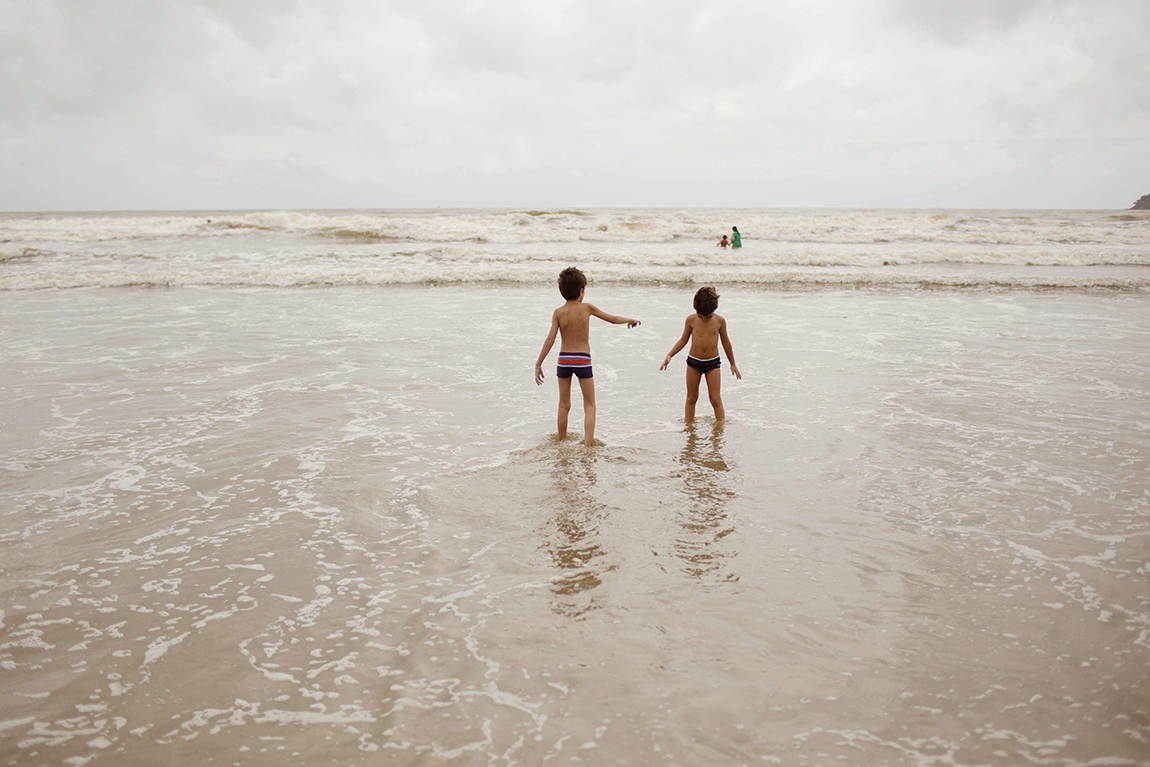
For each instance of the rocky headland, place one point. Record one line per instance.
(1143, 203)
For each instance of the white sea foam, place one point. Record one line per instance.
(1112, 279)
(804, 247)
(628, 225)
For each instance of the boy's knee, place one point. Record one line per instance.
(692, 398)
(715, 399)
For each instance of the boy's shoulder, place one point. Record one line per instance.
(581, 309)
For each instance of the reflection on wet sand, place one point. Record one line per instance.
(705, 521)
(573, 538)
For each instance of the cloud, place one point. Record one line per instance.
(365, 93)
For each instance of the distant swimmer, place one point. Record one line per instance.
(736, 238)
(570, 322)
(723, 242)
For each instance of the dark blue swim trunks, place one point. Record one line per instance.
(703, 366)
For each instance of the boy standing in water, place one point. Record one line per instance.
(705, 329)
(572, 322)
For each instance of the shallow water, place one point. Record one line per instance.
(307, 526)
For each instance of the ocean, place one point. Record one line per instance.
(782, 248)
(279, 488)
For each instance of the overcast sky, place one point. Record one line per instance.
(211, 104)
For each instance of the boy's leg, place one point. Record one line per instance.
(564, 405)
(713, 383)
(693, 377)
(588, 387)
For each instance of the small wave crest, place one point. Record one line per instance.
(1081, 230)
(774, 279)
(361, 236)
(9, 255)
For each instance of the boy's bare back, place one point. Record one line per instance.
(574, 320)
(705, 333)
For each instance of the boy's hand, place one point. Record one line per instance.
(633, 323)
(666, 361)
(735, 370)
(538, 375)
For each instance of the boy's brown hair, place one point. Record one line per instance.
(571, 281)
(706, 301)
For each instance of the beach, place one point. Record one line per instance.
(288, 494)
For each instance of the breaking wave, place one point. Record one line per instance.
(802, 247)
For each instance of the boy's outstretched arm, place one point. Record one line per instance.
(727, 348)
(613, 319)
(547, 344)
(678, 347)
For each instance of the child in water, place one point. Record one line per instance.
(572, 322)
(723, 242)
(705, 330)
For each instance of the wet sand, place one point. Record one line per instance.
(311, 526)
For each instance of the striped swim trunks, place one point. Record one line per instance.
(574, 363)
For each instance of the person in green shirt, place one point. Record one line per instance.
(736, 239)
